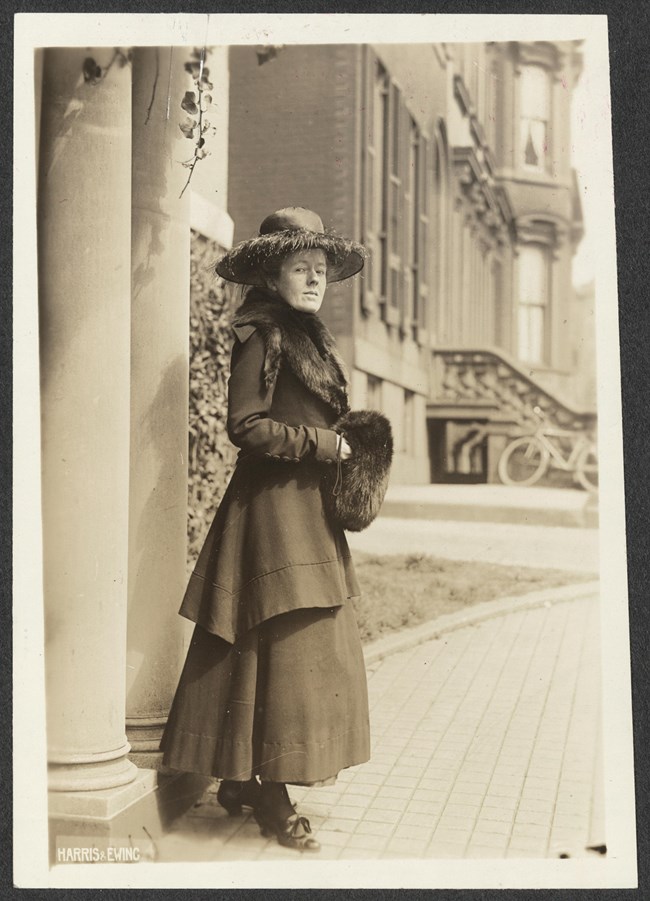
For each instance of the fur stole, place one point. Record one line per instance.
(300, 341)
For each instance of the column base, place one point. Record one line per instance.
(144, 734)
(122, 818)
(147, 760)
(86, 776)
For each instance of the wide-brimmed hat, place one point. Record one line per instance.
(287, 231)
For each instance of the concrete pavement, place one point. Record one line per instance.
(485, 744)
(553, 547)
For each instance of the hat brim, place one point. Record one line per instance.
(244, 263)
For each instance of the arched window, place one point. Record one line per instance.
(535, 113)
(533, 296)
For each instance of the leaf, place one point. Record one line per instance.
(188, 127)
(188, 103)
(207, 99)
(91, 71)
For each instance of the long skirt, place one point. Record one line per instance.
(287, 702)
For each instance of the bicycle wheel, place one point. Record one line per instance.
(587, 468)
(523, 462)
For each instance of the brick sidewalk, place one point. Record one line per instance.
(485, 744)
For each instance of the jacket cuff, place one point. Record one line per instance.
(326, 444)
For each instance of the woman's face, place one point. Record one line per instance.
(302, 280)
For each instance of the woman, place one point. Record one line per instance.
(274, 683)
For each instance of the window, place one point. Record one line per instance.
(535, 103)
(423, 250)
(374, 393)
(382, 184)
(411, 219)
(533, 303)
(408, 442)
(501, 318)
(418, 250)
(381, 173)
(394, 219)
(397, 184)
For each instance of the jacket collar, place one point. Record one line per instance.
(299, 340)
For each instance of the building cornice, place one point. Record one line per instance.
(537, 179)
(462, 95)
(551, 231)
(538, 53)
(488, 202)
(476, 129)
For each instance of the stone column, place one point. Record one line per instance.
(159, 394)
(84, 303)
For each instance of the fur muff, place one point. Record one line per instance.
(353, 499)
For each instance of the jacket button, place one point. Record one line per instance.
(328, 462)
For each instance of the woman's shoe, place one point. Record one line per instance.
(234, 795)
(293, 831)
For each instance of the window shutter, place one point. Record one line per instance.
(394, 212)
(404, 299)
(382, 149)
(409, 194)
(369, 197)
(425, 248)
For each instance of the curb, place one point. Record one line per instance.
(584, 517)
(408, 638)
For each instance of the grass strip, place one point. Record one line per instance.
(407, 589)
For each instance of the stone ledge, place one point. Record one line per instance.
(211, 221)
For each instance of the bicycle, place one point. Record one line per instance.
(526, 459)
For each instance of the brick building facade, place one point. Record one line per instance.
(452, 164)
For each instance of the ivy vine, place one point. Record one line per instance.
(93, 73)
(211, 455)
(195, 104)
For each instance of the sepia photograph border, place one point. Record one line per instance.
(618, 870)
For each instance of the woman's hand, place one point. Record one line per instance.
(344, 449)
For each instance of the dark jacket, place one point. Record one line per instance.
(271, 548)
